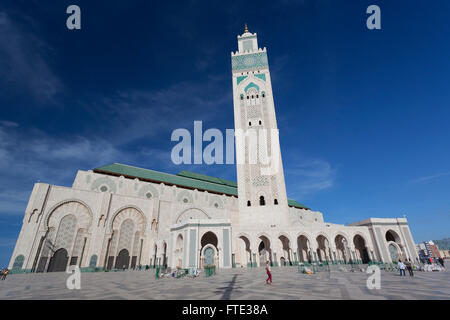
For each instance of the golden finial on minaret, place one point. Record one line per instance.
(246, 29)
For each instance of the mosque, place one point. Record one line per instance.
(118, 216)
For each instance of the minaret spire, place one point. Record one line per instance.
(261, 186)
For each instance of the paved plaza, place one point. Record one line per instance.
(234, 284)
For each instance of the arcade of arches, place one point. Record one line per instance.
(124, 247)
(306, 251)
(68, 235)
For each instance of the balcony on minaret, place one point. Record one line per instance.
(249, 57)
(247, 42)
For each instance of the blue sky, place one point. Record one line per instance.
(363, 115)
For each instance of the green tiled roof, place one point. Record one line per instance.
(296, 204)
(158, 177)
(203, 177)
(185, 179)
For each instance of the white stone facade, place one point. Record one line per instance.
(115, 221)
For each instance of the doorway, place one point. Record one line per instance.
(58, 262)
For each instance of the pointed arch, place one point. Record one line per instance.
(251, 85)
(79, 208)
(258, 83)
(126, 212)
(194, 211)
(306, 235)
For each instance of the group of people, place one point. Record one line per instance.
(431, 265)
(432, 261)
(4, 273)
(138, 267)
(407, 265)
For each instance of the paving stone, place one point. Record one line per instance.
(233, 284)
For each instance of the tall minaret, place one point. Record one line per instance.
(261, 186)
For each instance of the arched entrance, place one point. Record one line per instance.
(361, 249)
(66, 227)
(304, 254)
(395, 247)
(392, 236)
(286, 246)
(93, 261)
(323, 248)
(122, 240)
(123, 259)
(209, 256)
(58, 262)
(209, 238)
(342, 252)
(209, 250)
(265, 253)
(282, 261)
(244, 254)
(393, 252)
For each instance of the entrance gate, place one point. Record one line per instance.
(58, 262)
(123, 259)
(209, 257)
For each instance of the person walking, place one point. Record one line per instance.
(401, 267)
(269, 275)
(408, 265)
(4, 273)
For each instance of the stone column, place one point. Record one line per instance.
(333, 251)
(299, 254)
(254, 255)
(313, 249)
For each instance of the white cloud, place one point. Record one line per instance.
(29, 155)
(306, 176)
(8, 124)
(133, 114)
(431, 177)
(23, 57)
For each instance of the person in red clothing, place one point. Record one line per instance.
(269, 275)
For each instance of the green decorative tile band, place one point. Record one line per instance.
(262, 76)
(240, 79)
(249, 61)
